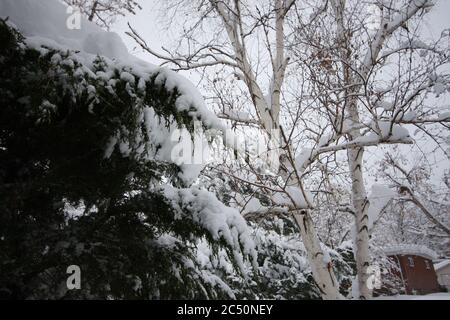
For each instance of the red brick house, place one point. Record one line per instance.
(415, 268)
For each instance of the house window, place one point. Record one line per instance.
(427, 265)
(411, 262)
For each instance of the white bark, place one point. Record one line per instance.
(322, 269)
(269, 119)
(231, 21)
(267, 108)
(361, 206)
(355, 155)
(321, 265)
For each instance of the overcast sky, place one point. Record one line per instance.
(147, 23)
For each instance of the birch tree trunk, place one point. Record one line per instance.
(361, 206)
(269, 120)
(355, 156)
(355, 163)
(267, 103)
(322, 269)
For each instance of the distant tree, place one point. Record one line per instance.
(418, 213)
(104, 12)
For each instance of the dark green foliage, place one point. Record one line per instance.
(283, 267)
(53, 133)
(284, 271)
(344, 265)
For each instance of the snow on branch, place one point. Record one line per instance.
(221, 221)
(389, 26)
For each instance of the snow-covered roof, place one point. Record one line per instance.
(441, 264)
(410, 249)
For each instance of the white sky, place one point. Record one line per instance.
(148, 23)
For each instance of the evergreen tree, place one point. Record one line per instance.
(81, 184)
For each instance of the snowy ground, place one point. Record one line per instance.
(433, 296)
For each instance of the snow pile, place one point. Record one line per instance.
(46, 21)
(411, 249)
(394, 132)
(386, 105)
(163, 142)
(237, 115)
(293, 196)
(444, 116)
(293, 266)
(442, 264)
(303, 158)
(410, 116)
(44, 24)
(326, 139)
(211, 262)
(440, 84)
(208, 261)
(385, 131)
(411, 44)
(221, 221)
(76, 211)
(254, 205)
(433, 296)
